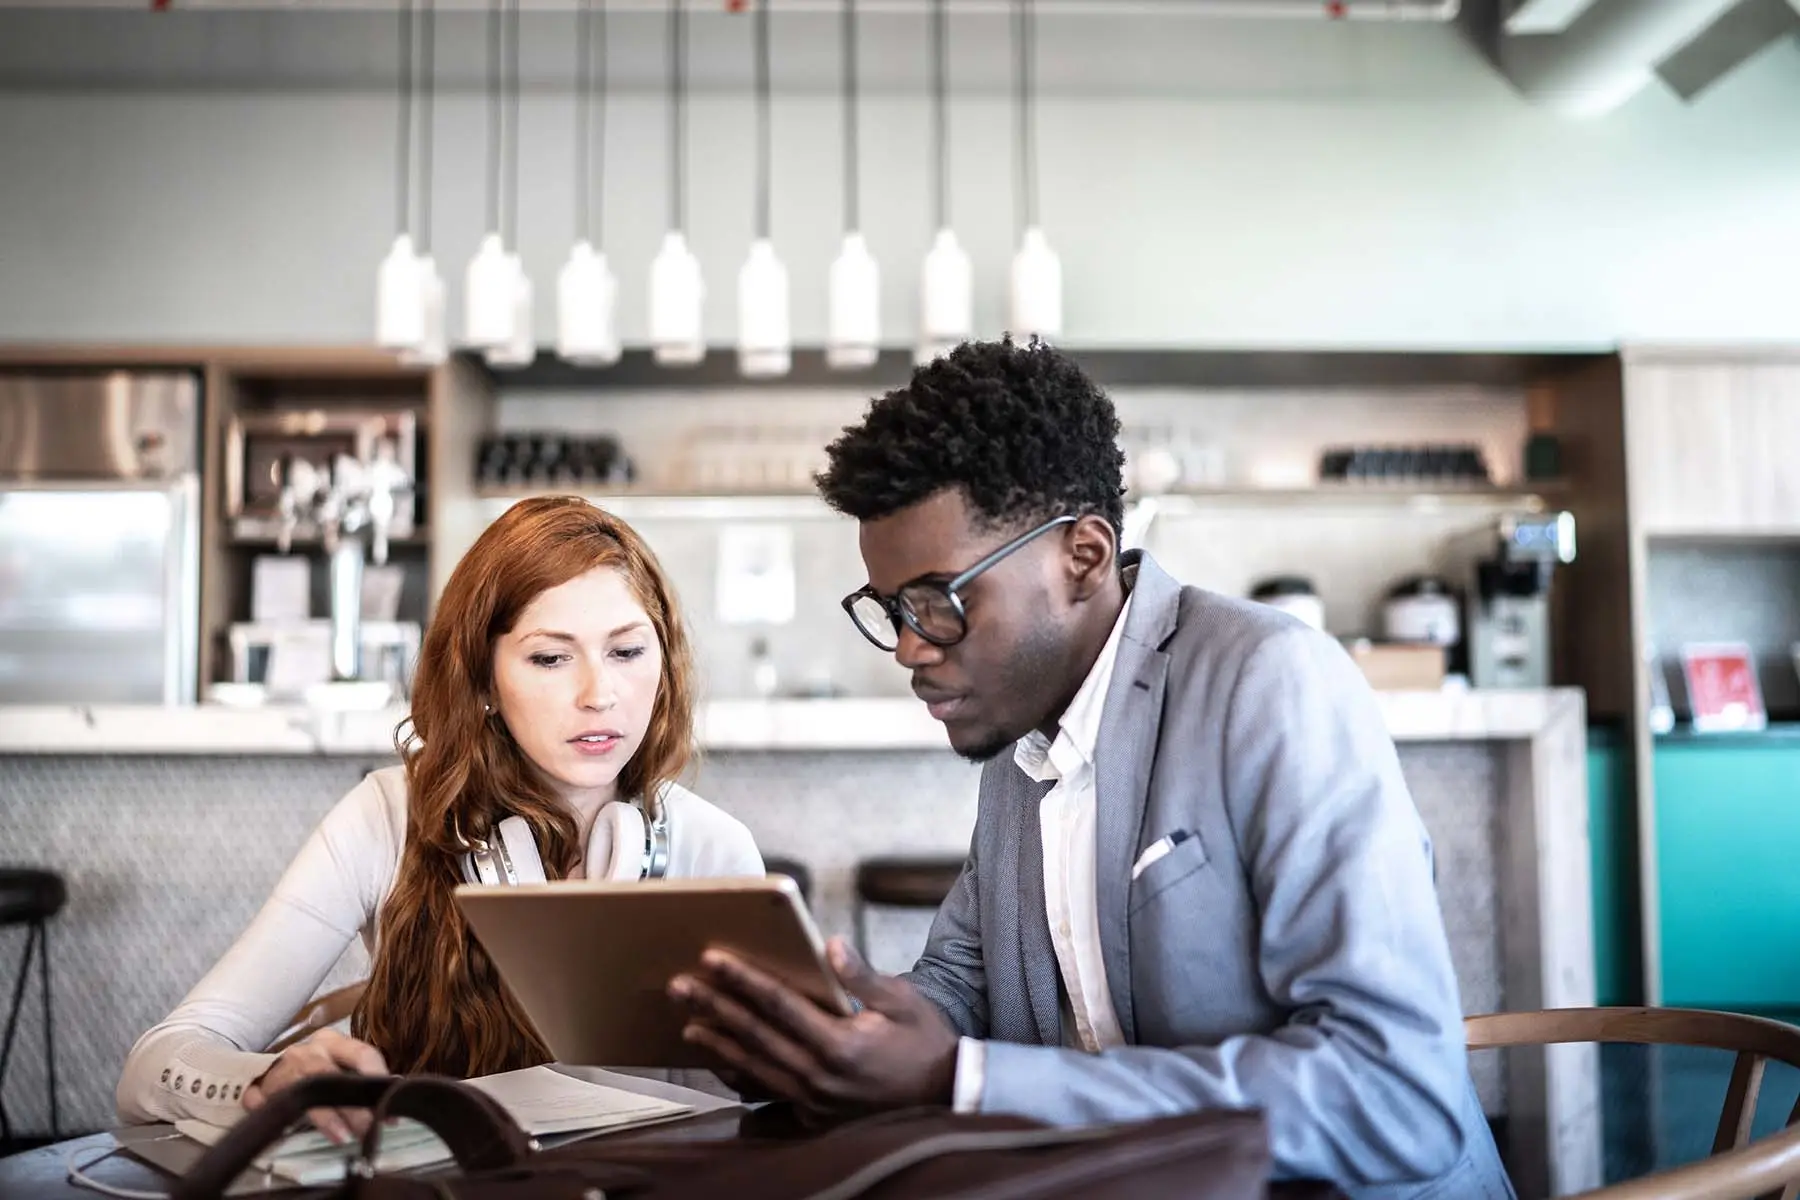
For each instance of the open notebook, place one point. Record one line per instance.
(546, 1103)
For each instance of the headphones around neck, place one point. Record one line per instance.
(622, 846)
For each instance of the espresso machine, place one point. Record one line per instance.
(1507, 630)
(353, 506)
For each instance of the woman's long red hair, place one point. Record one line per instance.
(434, 1002)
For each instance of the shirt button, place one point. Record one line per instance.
(237, 1091)
(165, 1077)
(211, 1091)
(180, 1082)
(195, 1087)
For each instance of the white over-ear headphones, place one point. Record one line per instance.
(622, 846)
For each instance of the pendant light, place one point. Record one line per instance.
(853, 338)
(399, 310)
(764, 333)
(586, 293)
(433, 348)
(490, 291)
(677, 292)
(521, 347)
(1036, 270)
(947, 284)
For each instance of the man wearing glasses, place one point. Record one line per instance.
(1197, 878)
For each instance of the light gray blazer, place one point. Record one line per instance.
(1288, 955)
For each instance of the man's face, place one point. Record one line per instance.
(1004, 677)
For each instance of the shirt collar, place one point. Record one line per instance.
(1079, 730)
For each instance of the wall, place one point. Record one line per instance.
(229, 177)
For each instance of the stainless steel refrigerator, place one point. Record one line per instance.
(99, 537)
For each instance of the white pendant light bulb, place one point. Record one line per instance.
(677, 300)
(520, 346)
(764, 335)
(854, 338)
(488, 296)
(587, 308)
(399, 315)
(433, 348)
(1036, 287)
(947, 294)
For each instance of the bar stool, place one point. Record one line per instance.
(30, 897)
(901, 882)
(795, 870)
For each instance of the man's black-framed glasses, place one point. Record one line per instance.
(931, 609)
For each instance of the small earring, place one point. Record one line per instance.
(488, 709)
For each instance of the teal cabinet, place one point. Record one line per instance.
(1728, 863)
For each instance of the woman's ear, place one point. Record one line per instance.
(1093, 555)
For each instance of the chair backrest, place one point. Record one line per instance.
(317, 1013)
(1738, 1169)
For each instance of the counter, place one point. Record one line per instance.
(899, 723)
(172, 825)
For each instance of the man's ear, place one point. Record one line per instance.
(1093, 555)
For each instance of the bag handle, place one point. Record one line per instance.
(481, 1134)
(475, 1128)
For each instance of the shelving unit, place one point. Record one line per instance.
(1711, 436)
(1535, 497)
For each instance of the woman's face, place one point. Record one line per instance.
(575, 681)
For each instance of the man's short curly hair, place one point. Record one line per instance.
(1019, 429)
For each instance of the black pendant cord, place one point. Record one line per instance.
(677, 116)
(940, 125)
(763, 165)
(597, 219)
(427, 102)
(1025, 111)
(403, 192)
(852, 201)
(584, 32)
(493, 90)
(512, 126)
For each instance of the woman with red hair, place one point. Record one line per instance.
(552, 711)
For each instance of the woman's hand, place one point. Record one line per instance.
(326, 1052)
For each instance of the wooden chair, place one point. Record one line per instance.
(317, 1013)
(1738, 1168)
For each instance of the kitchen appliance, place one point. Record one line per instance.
(355, 506)
(1509, 600)
(1423, 609)
(99, 537)
(1293, 595)
(287, 658)
(261, 449)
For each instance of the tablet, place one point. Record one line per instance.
(590, 961)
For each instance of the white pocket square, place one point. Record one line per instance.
(1158, 850)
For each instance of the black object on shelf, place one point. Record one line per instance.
(1447, 463)
(552, 460)
(1543, 456)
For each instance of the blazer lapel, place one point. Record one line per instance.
(1037, 957)
(1123, 756)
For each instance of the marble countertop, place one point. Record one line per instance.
(890, 723)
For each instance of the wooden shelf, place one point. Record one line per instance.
(696, 503)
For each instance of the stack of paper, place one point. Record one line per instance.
(543, 1102)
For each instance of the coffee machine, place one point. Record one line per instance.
(1507, 630)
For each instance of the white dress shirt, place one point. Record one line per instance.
(200, 1058)
(1066, 818)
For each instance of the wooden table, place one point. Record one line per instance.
(42, 1174)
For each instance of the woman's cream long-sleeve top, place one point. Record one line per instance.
(199, 1060)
